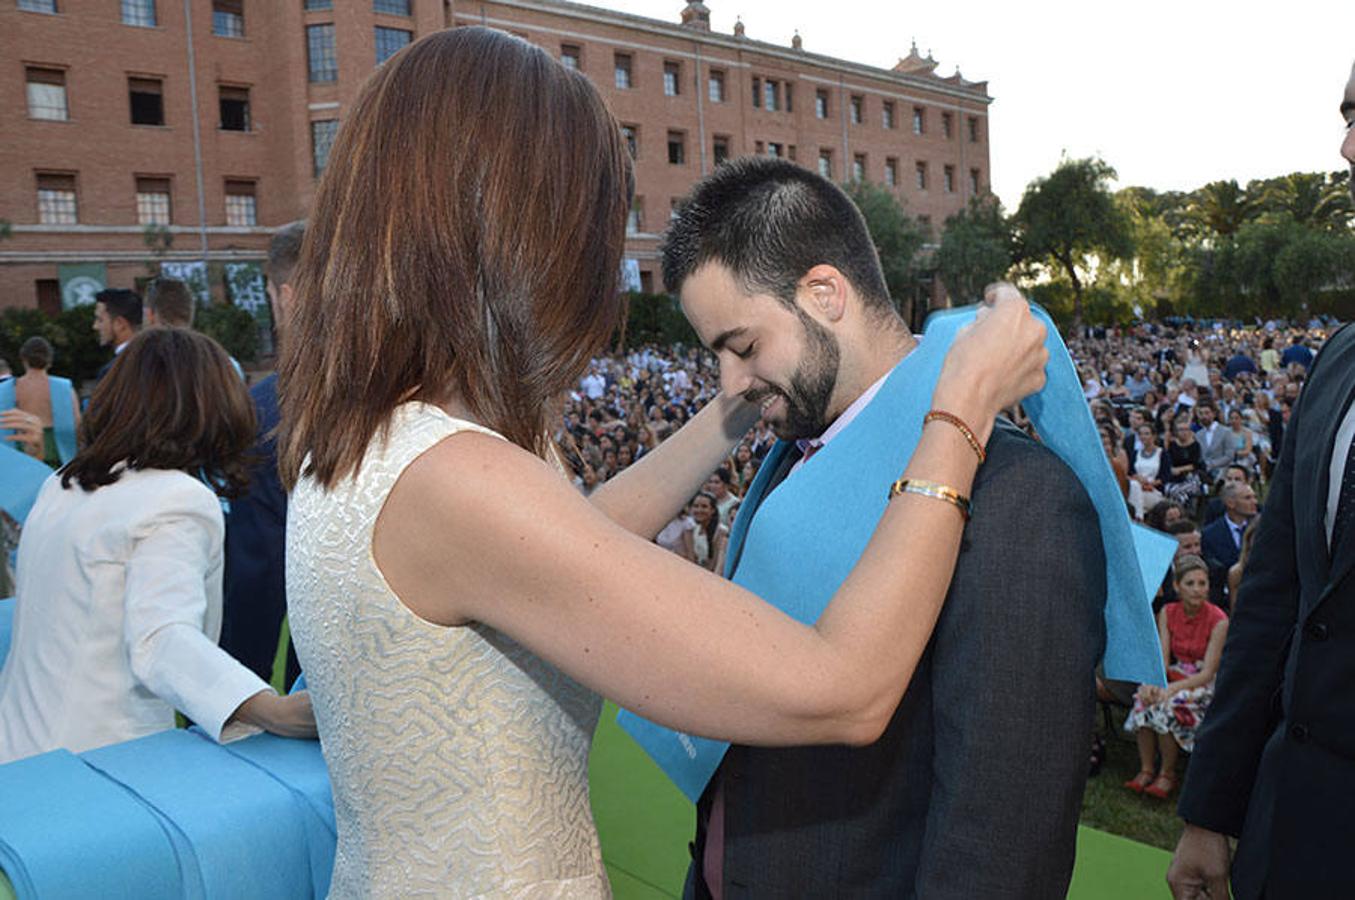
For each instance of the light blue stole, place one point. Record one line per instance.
(795, 546)
(63, 413)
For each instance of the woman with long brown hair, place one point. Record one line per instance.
(118, 604)
(455, 603)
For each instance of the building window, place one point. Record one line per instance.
(42, 6)
(947, 125)
(974, 181)
(716, 86)
(919, 120)
(234, 102)
(674, 206)
(677, 148)
(891, 171)
(322, 138)
(826, 163)
(631, 135)
(571, 56)
(973, 129)
(393, 7)
(228, 18)
(859, 167)
(138, 12)
(887, 114)
(858, 109)
(635, 219)
(152, 201)
(757, 93)
(757, 147)
(318, 4)
(720, 149)
(775, 150)
(948, 177)
(47, 94)
(147, 96)
(771, 95)
(49, 296)
(790, 152)
(621, 65)
(389, 41)
(241, 210)
(821, 104)
(790, 96)
(321, 61)
(922, 176)
(56, 200)
(672, 79)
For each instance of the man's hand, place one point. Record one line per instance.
(1199, 868)
(27, 429)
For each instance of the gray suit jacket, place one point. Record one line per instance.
(976, 786)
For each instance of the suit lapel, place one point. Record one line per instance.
(1330, 409)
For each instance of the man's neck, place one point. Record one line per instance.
(885, 352)
(1236, 518)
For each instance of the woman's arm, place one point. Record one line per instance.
(717, 553)
(166, 610)
(646, 496)
(1210, 667)
(667, 640)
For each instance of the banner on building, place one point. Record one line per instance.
(630, 274)
(193, 274)
(80, 282)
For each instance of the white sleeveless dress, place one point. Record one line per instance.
(459, 760)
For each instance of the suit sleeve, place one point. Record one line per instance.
(1229, 743)
(1013, 672)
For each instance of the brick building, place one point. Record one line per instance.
(138, 132)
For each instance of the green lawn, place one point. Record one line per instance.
(1109, 806)
(645, 824)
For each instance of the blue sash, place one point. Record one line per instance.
(63, 416)
(797, 561)
(21, 478)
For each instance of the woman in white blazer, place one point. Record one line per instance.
(119, 567)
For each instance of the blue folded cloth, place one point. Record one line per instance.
(21, 478)
(66, 831)
(239, 831)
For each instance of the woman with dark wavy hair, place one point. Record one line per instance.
(118, 604)
(455, 602)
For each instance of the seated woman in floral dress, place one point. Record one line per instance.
(1192, 631)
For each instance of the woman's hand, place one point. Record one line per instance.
(994, 362)
(289, 716)
(26, 427)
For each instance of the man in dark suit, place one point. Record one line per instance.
(1221, 540)
(255, 590)
(117, 319)
(1274, 761)
(993, 732)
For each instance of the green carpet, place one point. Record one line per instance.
(645, 823)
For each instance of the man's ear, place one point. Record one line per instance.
(823, 292)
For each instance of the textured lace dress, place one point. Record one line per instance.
(459, 760)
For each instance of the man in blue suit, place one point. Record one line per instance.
(255, 591)
(1221, 540)
(778, 274)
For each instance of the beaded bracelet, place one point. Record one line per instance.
(940, 415)
(933, 490)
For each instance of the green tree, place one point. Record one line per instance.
(1312, 199)
(1069, 221)
(898, 238)
(976, 249)
(1221, 208)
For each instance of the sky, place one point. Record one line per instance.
(1172, 94)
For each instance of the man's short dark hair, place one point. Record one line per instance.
(36, 353)
(283, 252)
(1182, 526)
(172, 302)
(769, 221)
(121, 304)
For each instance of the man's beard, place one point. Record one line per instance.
(811, 385)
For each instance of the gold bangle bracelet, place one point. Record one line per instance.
(933, 490)
(940, 415)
